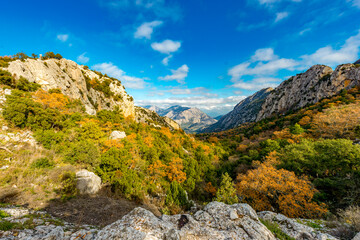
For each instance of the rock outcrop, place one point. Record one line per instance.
(293, 228)
(215, 221)
(147, 116)
(117, 135)
(315, 84)
(76, 82)
(87, 182)
(245, 111)
(190, 119)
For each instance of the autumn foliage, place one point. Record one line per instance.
(269, 189)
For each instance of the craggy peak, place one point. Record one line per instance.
(180, 120)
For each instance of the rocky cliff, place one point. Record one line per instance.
(318, 82)
(215, 221)
(95, 90)
(150, 117)
(245, 111)
(190, 119)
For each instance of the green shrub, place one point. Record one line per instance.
(68, 188)
(24, 85)
(226, 192)
(6, 225)
(42, 163)
(83, 152)
(176, 195)
(3, 214)
(275, 229)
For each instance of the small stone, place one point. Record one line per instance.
(233, 215)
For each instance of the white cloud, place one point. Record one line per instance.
(304, 31)
(258, 83)
(63, 37)
(276, 1)
(349, 52)
(264, 54)
(82, 58)
(113, 71)
(280, 16)
(165, 61)
(167, 46)
(201, 102)
(178, 75)
(146, 29)
(261, 68)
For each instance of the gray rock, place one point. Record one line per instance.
(117, 135)
(212, 223)
(87, 182)
(293, 228)
(55, 234)
(70, 78)
(357, 236)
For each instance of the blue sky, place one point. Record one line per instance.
(200, 53)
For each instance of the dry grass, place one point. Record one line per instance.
(351, 216)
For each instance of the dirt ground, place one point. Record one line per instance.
(96, 210)
(99, 210)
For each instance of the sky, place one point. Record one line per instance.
(207, 54)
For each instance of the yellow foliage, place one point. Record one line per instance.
(269, 189)
(174, 171)
(52, 100)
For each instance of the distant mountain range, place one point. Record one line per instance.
(190, 119)
(318, 82)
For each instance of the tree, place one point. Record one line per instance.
(269, 189)
(226, 192)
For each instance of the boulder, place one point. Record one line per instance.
(215, 221)
(87, 182)
(293, 228)
(357, 236)
(117, 135)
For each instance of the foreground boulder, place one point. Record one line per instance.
(293, 228)
(215, 221)
(87, 182)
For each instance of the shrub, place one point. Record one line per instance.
(24, 85)
(226, 192)
(3, 214)
(42, 163)
(351, 216)
(176, 195)
(68, 188)
(83, 152)
(269, 189)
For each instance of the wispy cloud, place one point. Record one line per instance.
(166, 46)
(349, 52)
(82, 58)
(114, 71)
(166, 60)
(355, 3)
(62, 37)
(202, 102)
(280, 16)
(178, 75)
(146, 29)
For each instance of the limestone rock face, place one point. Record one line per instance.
(216, 221)
(310, 87)
(294, 229)
(117, 135)
(190, 119)
(357, 236)
(87, 182)
(296, 92)
(70, 78)
(245, 111)
(147, 116)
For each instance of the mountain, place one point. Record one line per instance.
(218, 117)
(190, 119)
(357, 62)
(317, 83)
(95, 90)
(245, 111)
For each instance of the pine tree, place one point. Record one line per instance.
(226, 192)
